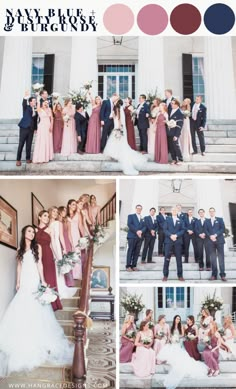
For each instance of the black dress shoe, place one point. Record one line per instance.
(151, 262)
(195, 152)
(185, 261)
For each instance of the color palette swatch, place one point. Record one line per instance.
(185, 19)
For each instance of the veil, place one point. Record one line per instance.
(122, 121)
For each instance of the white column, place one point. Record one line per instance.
(219, 78)
(146, 193)
(150, 65)
(83, 63)
(208, 194)
(16, 75)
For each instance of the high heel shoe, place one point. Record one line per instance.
(210, 373)
(216, 373)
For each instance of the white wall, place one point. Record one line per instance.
(49, 192)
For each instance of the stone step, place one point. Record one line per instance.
(225, 367)
(72, 302)
(49, 372)
(225, 380)
(221, 127)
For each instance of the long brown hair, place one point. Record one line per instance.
(33, 245)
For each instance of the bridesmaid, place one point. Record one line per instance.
(73, 220)
(205, 321)
(143, 360)
(43, 149)
(66, 241)
(161, 145)
(191, 345)
(161, 335)
(58, 126)
(85, 198)
(69, 138)
(44, 239)
(228, 344)
(93, 144)
(94, 211)
(129, 123)
(211, 352)
(151, 132)
(127, 344)
(82, 219)
(54, 227)
(185, 139)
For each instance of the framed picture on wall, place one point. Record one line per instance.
(100, 278)
(36, 208)
(8, 224)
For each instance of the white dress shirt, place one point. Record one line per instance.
(195, 111)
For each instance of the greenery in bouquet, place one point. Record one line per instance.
(221, 331)
(99, 234)
(152, 95)
(190, 336)
(132, 303)
(212, 303)
(160, 334)
(150, 325)
(83, 244)
(147, 340)
(130, 334)
(68, 261)
(125, 229)
(46, 295)
(82, 95)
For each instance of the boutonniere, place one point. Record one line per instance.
(216, 221)
(178, 222)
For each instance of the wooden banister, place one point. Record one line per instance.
(78, 367)
(108, 211)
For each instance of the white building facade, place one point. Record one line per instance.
(128, 65)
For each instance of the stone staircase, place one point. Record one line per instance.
(153, 272)
(226, 379)
(220, 157)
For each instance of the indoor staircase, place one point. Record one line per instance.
(220, 155)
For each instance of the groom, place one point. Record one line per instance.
(174, 230)
(142, 121)
(106, 117)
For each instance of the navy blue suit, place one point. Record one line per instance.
(189, 226)
(134, 242)
(105, 113)
(195, 125)
(169, 108)
(27, 125)
(202, 244)
(149, 239)
(161, 236)
(216, 248)
(143, 125)
(81, 124)
(173, 145)
(170, 246)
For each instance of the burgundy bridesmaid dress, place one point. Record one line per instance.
(69, 280)
(130, 128)
(93, 143)
(49, 268)
(58, 126)
(191, 345)
(127, 347)
(161, 147)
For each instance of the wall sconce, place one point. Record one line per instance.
(117, 40)
(176, 185)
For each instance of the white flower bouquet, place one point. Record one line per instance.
(37, 87)
(83, 243)
(118, 133)
(146, 340)
(99, 234)
(187, 114)
(46, 295)
(66, 118)
(190, 336)
(207, 340)
(68, 261)
(88, 85)
(174, 339)
(150, 325)
(172, 123)
(55, 95)
(130, 334)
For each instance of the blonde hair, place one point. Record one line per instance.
(186, 104)
(127, 319)
(50, 211)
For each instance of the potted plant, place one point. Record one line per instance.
(132, 304)
(213, 304)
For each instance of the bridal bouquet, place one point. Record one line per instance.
(88, 85)
(130, 334)
(221, 331)
(147, 340)
(46, 295)
(160, 334)
(55, 95)
(150, 325)
(118, 133)
(187, 114)
(37, 87)
(174, 339)
(190, 336)
(172, 123)
(83, 243)
(68, 261)
(207, 340)
(66, 118)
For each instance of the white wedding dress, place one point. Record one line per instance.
(118, 148)
(182, 365)
(231, 345)
(29, 332)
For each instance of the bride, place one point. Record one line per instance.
(182, 365)
(29, 332)
(117, 146)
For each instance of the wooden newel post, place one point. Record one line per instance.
(78, 368)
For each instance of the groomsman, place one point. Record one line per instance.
(28, 125)
(44, 97)
(189, 235)
(137, 228)
(197, 124)
(150, 236)
(215, 229)
(173, 134)
(161, 218)
(106, 117)
(202, 242)
(168, 98)
(181, 216)
(174, 231)
(81, 123)
(143, 113)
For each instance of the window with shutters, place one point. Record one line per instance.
(43, 70)
(198, 77)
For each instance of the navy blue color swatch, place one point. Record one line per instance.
(219, 18)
